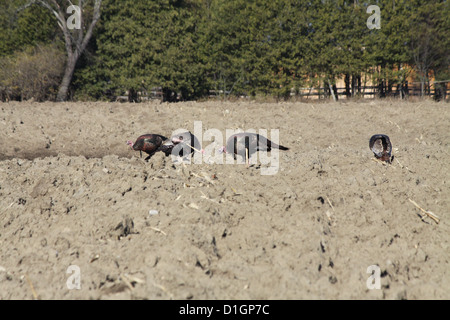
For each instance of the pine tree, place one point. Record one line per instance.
(145, 44)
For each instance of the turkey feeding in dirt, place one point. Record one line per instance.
(150, 144)
(185, 143)
(245, 144)
(381, 146)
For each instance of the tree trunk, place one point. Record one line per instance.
(169, 95)
(389, 89)
(381, 92)
(75, 42)
(332, 91)
(67, 78)
(347, 85)
(358, 77)
(353, 82)
(133, 95)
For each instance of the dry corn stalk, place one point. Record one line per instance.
(428, 213)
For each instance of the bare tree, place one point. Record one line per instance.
(424, 56)
(76, 39)
(429, 36)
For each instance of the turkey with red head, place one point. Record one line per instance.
(247, 143)
(150, 144)
(381, 146)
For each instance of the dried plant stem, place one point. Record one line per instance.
(205, 197)
(158, 230)
(192, 147)
(329, 202)
(31, 287)
(379, 161)
(235, 192)
(402, 166)
(428, 213)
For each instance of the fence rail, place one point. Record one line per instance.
(367, 91)
(408, 89)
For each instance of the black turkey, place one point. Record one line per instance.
(150, 144)
(246, 143)
(185, 143)
(381, 146)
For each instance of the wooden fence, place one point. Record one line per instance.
(314, 93)
(409, 89)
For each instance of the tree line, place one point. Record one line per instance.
(190, 48)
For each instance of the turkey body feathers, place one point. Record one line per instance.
(381, 146)
(150, 144)
(252, 142)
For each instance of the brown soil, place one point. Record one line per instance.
(73, 193)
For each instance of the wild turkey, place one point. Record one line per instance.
(185, 143)
(246, 143)
(381, 146)
(150, 144)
